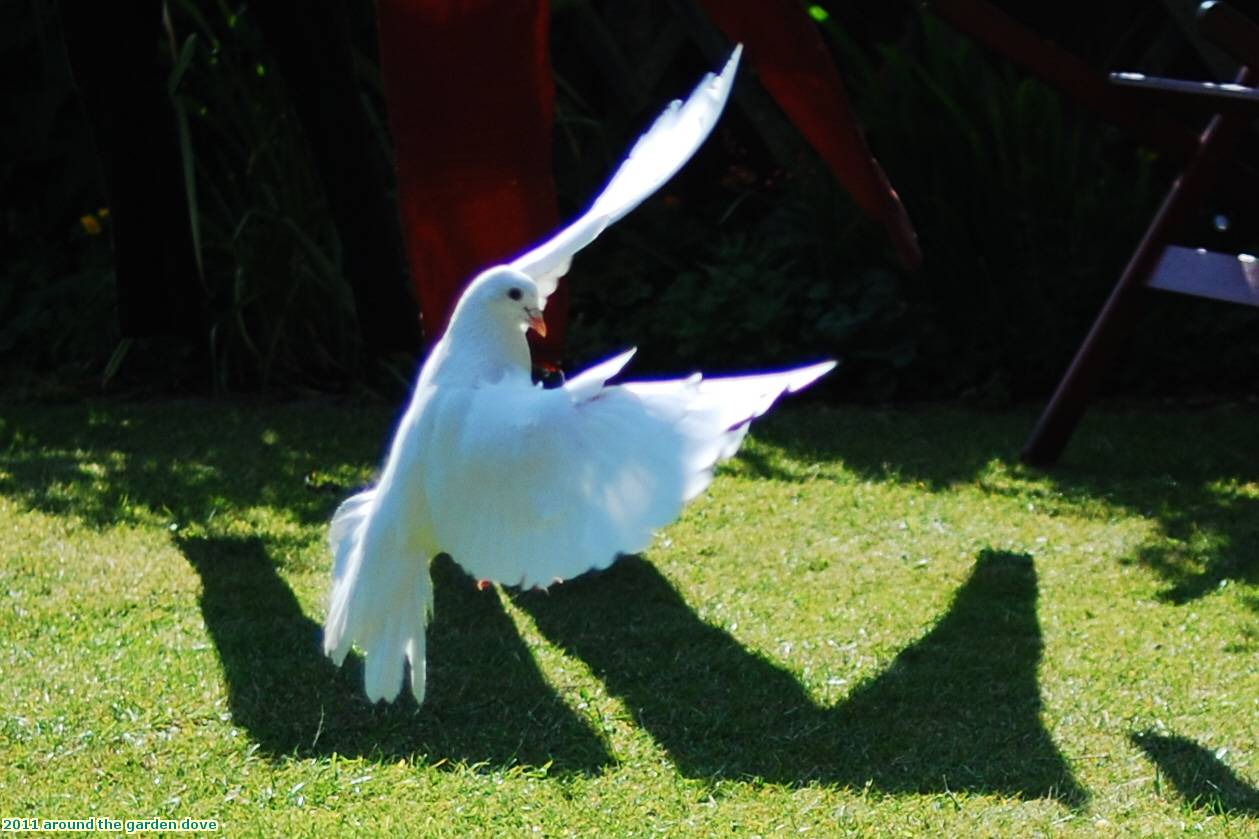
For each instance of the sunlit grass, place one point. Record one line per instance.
(875, 622)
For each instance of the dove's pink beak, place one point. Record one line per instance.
(536, 323)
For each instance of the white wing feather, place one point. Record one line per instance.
(655, 158)
(531, 486)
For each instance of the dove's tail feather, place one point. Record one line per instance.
(381, 596)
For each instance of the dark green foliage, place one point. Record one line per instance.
(56, 289)
(767, 287)
(281, 310)
(1025, 209)
(1028, 209)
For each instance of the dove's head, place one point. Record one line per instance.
(508, 297)
(485, 339)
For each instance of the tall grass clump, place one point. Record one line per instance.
(280, 308)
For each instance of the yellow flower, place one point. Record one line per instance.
(90, 224)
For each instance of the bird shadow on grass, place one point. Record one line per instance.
(487, 702)
(1190, 472)
(959, 709)
(1200, 778)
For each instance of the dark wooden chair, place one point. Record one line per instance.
(1138, 103)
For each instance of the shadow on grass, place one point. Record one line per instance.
(957, 710)
(487, 701)
(1190, 471)
(1202, 779)
(187, 460)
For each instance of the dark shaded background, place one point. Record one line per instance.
(1026, 206)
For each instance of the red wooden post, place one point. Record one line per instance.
(471, 103)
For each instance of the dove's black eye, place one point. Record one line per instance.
(515, 294)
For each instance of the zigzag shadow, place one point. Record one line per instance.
(958, 710)
(487, 700)
(1200, 777)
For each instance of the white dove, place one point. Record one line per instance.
(522, 485)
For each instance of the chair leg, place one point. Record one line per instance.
(1067, 405)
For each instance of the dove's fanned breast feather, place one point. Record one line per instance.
(523, 485)
(529, 486)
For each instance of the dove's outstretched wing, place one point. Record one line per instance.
(655, 158)
(529, 486)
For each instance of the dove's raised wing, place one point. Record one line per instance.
(529, 486)
(655, 158)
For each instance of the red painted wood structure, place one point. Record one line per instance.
(1136, 103)
(471, 105)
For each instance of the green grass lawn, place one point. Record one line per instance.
(876, 622)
